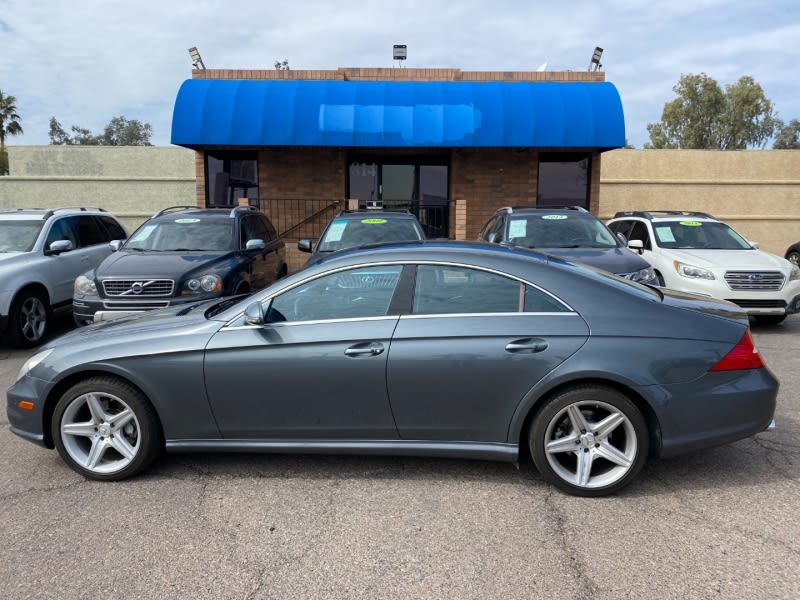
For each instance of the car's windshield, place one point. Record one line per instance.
(184, 234)
(19, 236)
(558, 230)
(349, 233)
(708, 235)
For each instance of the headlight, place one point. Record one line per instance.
(692, 272)
(207, 284)
(795, 274)
(647, 274)
(85, 286)
(33, 361)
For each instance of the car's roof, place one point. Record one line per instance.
(206, 213)
(379, 214)
(666, 215)
(534, 210)
(28, 214)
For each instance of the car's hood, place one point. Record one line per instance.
(160, 324)
(9, 260)
(156, 264)
(614, 260)
(735, 260)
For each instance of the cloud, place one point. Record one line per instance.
(85, 63)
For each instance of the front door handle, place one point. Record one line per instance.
(529, 345)
(369, 349)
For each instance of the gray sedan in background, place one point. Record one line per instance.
(433, 348)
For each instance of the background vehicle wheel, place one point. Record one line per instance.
(769, 319)
(793, 257)
(105, 429)
(28, 319)
(589, 441)
(660, 279)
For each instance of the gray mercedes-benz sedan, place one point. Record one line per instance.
(433, 348)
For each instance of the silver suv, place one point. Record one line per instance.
(42, 251)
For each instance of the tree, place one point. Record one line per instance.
(282, 66)
(119, 132)
(703, 116)
(788, 137)
(9, 125)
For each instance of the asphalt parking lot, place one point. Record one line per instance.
(718, 523)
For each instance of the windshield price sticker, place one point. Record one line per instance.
(691, 223)
(373, 221)
(335, 232)
(187, 220)
(555, 217)
(517, 228)
(664, 234)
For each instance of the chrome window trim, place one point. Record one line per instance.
(403, 263)
(228, 327)
(487, 314)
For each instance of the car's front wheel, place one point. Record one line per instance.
(589, 440)
(793, 257)
(28, 319)
(105, 429)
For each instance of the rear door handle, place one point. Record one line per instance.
(369, 349)
(529, 345)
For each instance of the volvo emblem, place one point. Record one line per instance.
(137, 287)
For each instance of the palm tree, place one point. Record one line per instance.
(9, 125)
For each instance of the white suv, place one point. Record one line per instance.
(694, 252)
(42, 251)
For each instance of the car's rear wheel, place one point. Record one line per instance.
(589, 441)
(769, 319)
(105, 429)
(28, 319)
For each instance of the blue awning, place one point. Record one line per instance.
(398, 114)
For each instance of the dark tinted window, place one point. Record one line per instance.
(638, 231)
(355, 293)
(90, 231)
(63, 229)
(115, 231)
(538, 301)
(563, 180)
(446, 290)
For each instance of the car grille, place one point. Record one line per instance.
(759, 303)
(132, 305)
(138, 287)
(754, 280)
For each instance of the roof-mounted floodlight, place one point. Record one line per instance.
(197, 62)
(400, 52)
(594, 64)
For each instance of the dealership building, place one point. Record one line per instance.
(452, 146)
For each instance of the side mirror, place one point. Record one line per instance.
(622, 239)
(254, 314)
(637, 245)
(115, 245)
(59, 246)
(255, 245)
(304, 245)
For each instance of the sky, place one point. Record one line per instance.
(89, 61)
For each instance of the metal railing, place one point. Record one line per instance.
(300, 217)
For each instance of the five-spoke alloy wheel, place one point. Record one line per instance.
(589, 441)
(105, 429)
(28, 319)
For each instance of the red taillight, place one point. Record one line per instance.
(743, 356)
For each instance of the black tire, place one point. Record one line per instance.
(610, 440)
(105, 429)
(769, 319)
(29, 318)
(660, 279)
(793, 257)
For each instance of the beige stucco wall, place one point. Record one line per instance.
(131, 182)
(755, 191)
